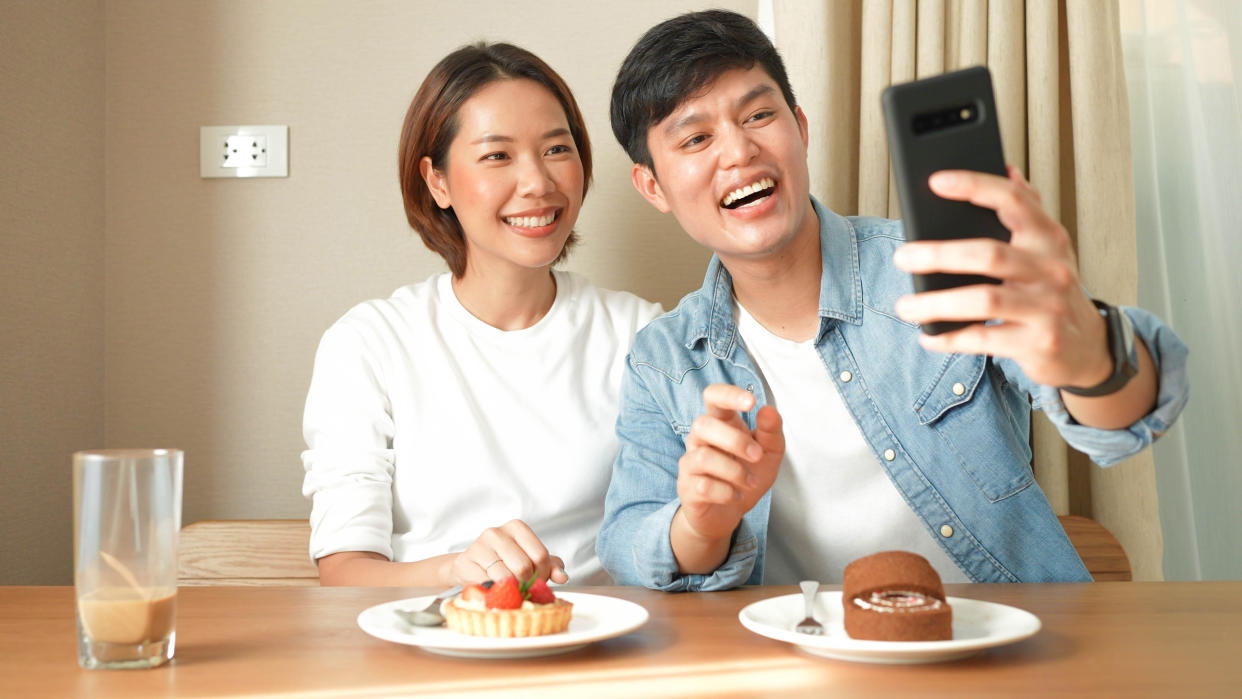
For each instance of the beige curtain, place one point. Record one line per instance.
(1060, 90)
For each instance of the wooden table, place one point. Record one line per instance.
(1102, 639)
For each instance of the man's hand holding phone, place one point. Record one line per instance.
(1049, 325)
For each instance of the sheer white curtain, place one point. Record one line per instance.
(1183, 62)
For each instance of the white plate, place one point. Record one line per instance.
(976, 625)
(595, 618)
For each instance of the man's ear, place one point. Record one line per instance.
(435, 182)
(803, 127)
(647, 185)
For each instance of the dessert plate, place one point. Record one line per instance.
(595, 618)
(976, 625)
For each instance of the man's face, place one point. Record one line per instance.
(730, 164)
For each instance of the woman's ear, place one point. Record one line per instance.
(435, 182)
(645, 182)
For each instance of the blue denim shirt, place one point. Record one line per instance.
(960, 458)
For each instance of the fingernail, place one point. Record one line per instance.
(944, 180)
(754, 451)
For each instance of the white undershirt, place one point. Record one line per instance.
(425, 425)
(832, 501)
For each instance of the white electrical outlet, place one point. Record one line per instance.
(244, 151)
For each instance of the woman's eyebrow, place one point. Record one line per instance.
(493, 137)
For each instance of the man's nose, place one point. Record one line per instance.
(737, 147)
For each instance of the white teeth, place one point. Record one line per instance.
(531, 221)
(765, 183)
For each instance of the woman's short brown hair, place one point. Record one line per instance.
(431, 124)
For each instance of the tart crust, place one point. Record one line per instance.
(509, 623)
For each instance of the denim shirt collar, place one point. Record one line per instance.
(840, 286)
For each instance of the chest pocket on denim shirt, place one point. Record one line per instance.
(969, 418)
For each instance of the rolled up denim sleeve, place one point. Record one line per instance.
(633, 542)
(1170, 356)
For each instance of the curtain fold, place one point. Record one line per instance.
(1060, 90)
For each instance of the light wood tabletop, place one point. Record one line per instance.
(1101, 639)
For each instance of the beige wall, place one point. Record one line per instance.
(218, 290)
(51, 275)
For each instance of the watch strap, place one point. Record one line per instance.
(1121, 346)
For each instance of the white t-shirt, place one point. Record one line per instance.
(425, 425)
(832, 501)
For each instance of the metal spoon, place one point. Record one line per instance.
(429, 615)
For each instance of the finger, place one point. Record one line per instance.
(731, 437)
(536, 553)
(724, 400)
(508, 558)
(1015, 201)
(558, 575)
(976, 302)
(703, 489)
(718, 465)
(986, 256)
(769, 429)
(1006, 340)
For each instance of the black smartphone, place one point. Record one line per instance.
(946, 122)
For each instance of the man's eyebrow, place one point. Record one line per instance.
(493, 138)
(694, 117)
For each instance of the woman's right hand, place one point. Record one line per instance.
(510, 550)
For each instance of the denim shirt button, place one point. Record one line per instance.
(889, 455)
(958, 389)
(846, 376)
(750, 388)
(946, 531)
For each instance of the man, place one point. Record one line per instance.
(789, 416)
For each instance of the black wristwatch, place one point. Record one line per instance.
(1121, 345)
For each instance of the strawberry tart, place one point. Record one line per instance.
(507, 609)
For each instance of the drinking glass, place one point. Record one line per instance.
(126, 518)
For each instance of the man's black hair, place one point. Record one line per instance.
(676, 59)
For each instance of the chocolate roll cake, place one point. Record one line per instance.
(895, 596)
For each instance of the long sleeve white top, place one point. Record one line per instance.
(425, 425)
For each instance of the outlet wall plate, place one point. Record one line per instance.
(243, 151)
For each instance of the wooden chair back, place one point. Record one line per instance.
(1099, 549)
(246, 552)
(275, 552)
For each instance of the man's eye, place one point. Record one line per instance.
(693, 141)
(760, 116)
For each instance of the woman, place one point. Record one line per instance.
(462, 429)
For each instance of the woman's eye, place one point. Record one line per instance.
(495, 156)
(559, 149)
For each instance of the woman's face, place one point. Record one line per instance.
(513, 176)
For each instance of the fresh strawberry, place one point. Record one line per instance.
(474, 593)
(539, 593)
(504, 595)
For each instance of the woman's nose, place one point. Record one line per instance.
(534, 179)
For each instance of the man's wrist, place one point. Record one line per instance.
(1122, 355)
(696, 552)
